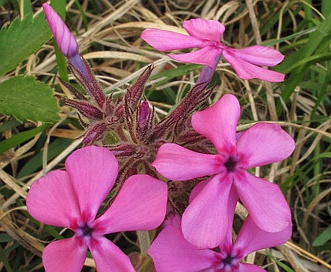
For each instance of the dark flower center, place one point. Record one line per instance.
(228, 260)
(231, 164)
(86, 230)
(228, 263)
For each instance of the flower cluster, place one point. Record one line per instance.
(200, 150)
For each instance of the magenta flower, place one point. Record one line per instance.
(204, 221)
(171, 252)
(206, 35)
(72, 198)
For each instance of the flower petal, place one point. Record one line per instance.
(204, 29)
(218, 123)
(260, 55)
(205, 56)
(164, 40)
(178, 163)
(264, 144)
(206, 219)
(93, 171)
(140, 205)
(64, 39)
(264, 201)
(51, 200)
(233, 198)
(171, 252)
(64, 255)
(243, 267)
(251, 238)
(198, 188)
(108, 257)
(247, 70)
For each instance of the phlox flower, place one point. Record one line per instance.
(171, 252)
(206, 35)
(205, 220)
(72, 198)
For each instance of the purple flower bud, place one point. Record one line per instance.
(64, 39)
(144, 112)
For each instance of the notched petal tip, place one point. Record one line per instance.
(204, 29)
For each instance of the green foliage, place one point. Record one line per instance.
(54, 149)
(299, 62)
(24, 36)
(19, 138)
(25, 98)
(21, 39)
(323, 238)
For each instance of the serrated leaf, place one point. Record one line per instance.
(25, 98)
(21, 39)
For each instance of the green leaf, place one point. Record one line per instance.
(303, 55)
(20, 138)
(25, 98)
(21, 39)
(54, 149)
(25, 7)
(324, 237)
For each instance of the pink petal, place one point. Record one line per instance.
(260, 55)
(218, 123)
(64, 255)
(140, 205)
(243, 267)
(227, 242)
(206, 219)
(264, 144)
(198, 189)
(93, 171)
(178, 163)
(171, 252)
(247, 70)
(264, 201)
(64, 39)
(204, 56)
(108, 257)
(164, 40)
(51, 200)
(204, 29)
(251, 238)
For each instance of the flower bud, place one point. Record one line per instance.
(64, 39)
(144, 113)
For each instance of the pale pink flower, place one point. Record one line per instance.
(206, 35)
(171, 252)
(205, 220)
(72, 198)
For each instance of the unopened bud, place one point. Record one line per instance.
(144, 113)
(64, 39)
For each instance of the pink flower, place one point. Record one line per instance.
(206, 35)
(204, 221)
(171, 252)
(72, 198)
